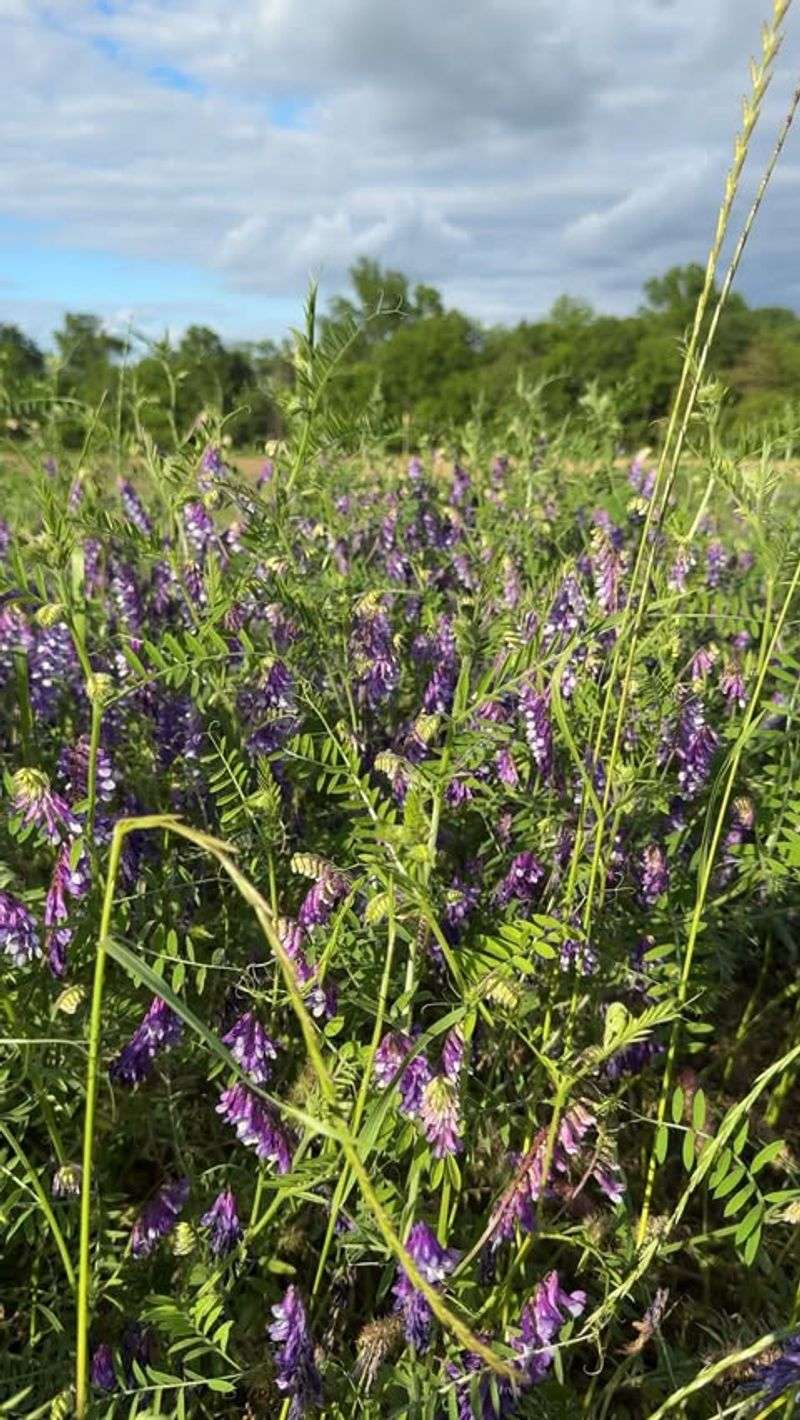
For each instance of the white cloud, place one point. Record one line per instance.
(504, 149)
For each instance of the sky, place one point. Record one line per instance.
(173, 161)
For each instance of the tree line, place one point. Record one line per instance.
(420, 369)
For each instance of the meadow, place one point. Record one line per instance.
(398, 894)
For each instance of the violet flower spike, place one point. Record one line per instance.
(251, 1047)
(39, 805)
(257, 1126)
(101, 1371)
(19, 936)
(159, 1217)
(297, 1374)
(439, 1117)
(434, 1263)
(222, 1220)
(159, 1029)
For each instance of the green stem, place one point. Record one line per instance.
(92, 1073)
(35, 1185)
(361, 1099)
(708, 855)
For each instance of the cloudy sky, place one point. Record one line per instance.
(178, 160)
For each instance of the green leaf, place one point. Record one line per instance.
(767, 1154)
(662, 1143)
(748, 1223)
(751, 1246)
(688, 1152)
(677, 1105)
(728, 1184)
(699, 1110)
(738, 1200)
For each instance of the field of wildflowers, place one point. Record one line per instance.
(400, 987)
(398, 894)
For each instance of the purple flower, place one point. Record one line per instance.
(494, 1398)
(56, 943)
(92, 576)
(66, 881)
(458, 792)
(54, 671)
(439, 1116)
(702, 663)
(126, 595)
(454, 1055)
(73, 769)
(159, 1029)
(163, 586)
(19, 937)
(251, 1047)
(439, 691)
(609, 1180)
(732, 685)
(320, 900)
(567, 611)
(375, 663)
(39, 805)
(505, 768)
(101, 1372)
(575, 955)
(211, 466)
(223, 1221)
(774, 1376)
(256, 1125)
(608, 567)
(134, 509)
(158, 1217)
(199, 527)
(695, 747)
(516, 1206)
(681, 566)
(641, 478)
(461, 899)
(716, 563)
(522, 881)
(297, 1373)
(390, 1057)
(654, 874)
(540, 1323)
(535, 711)
(265, 474)
(434, 1262)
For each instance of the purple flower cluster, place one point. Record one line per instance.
(438, 696)
(251, 1047)
(654, 874)
(158, 1217)
(543, 1317)
(430, 1098)
(73, 769)
(374, 659)
(159, 1029)
(19, 937)
(257, 1126)
(222, 1221)
(297, 1373)
(516, 1206)
(535, 711)
(70, 879)
(134, 508)
(522, 882)
(39, 806)
(434, 1262)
